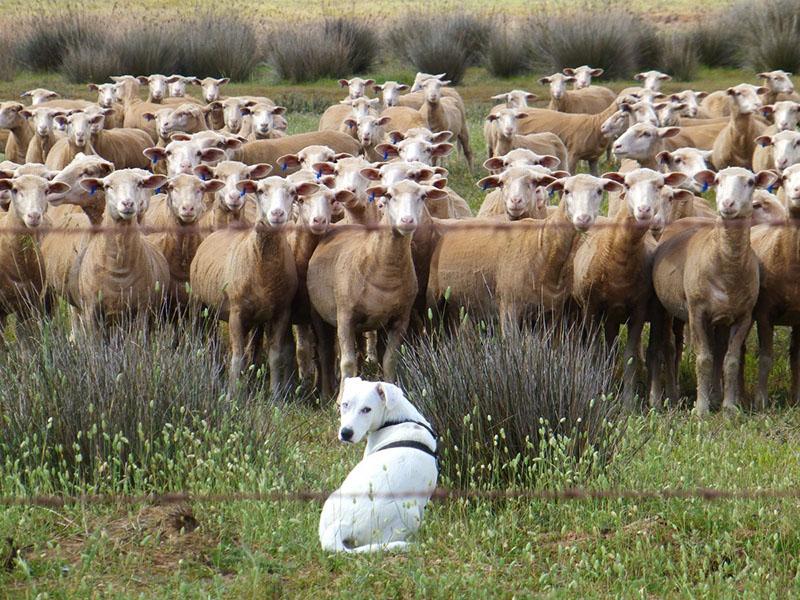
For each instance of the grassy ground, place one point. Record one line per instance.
(677, 548)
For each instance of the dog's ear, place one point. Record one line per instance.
(389, 393)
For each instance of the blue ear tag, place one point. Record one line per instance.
(372, 196)
(318, 174)
(485, 187)
(202, 176)
(154, 160)
(93, 191)
(158, 191)
(284, 167)
(551, 193)
(705, 187)
(771, 187)
(242, 193)
(385, 155)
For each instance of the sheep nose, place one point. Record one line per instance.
(516, 201)
(319, 220)
(782, 163)
(34, 217)
(407, 220)
(728, 203)
(277, 213)
(345, 434)
(583, 219)
(127, 204)
(617, 148)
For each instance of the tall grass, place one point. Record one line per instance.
(333, 48)
(507, 52)
(440, 43)
(143, 409)
(613, 39)
(508, 405)
(44, 40)
(8, 62)
(678, 56)
(766, 33)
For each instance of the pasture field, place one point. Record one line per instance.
(466, 548)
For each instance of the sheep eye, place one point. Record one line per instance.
(169, 152)
(751, 182)
(366, 410)
(678, 161)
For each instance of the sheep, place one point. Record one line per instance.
(416, 98)
(786, 115)
(178, 83)
(642, 142)
(767, 208)
(415, 150)
(226, 142)
(582, 75)
(348, 175)
(119, 274)
(443, 114)
(122, 146)
(369, 132)
(691, 101)
(107, 98)
(520, 157)
(708, 277)
(652, 80)
(611, 267)
(235, 114)
(689, 161)
(334, 116)
(40, 95)
(178, 214)
(264, 122)
(507, 137)
(78, 127)
(735, 144)
(669, 113)
(230, 204)
(270, 151)
(356, 87)
(186, 118)
(390, 92)
(22, 271)
(20, 131)
(523, 267)
(779, 151)
(211, 87)
(44, 137)
(249, 278)
(777, 251)
(779, 87)
(404, 119)
(521, 193)
(580, 133)
(514, 99)
(590, 100)
(360, 280)
(157, 87)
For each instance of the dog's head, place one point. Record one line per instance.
(363, 406)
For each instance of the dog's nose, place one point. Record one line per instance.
(346, 434)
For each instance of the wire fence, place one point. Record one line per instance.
(439, 494)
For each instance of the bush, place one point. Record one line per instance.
(612, 39)
(8, 63)
(678, 56)
(147, 50)
(440, 43)
(335, 48)
(139, 407)
(715, 45)
(507, 52)
(90, 63)
(499, 402)
(45, 40)
(766, 32)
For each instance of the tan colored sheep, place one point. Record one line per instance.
(736, 143)
(590, 100)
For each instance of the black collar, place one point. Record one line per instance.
(410, 443)
(421, 424)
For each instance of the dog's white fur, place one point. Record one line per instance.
(382, 500)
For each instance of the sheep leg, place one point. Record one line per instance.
(277, 338)
(733, 359)
(325, 354)
(654, 356)
(719, 352)
(670, 350)
(304, 352)
(463, 140)
(237, 331)
(74, 324)
(394, 338)
(704, 363)
(794, 366)
(765, 360)
(348, 358)
(594, 168)
(630, 358)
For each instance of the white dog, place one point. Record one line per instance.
(382, 500)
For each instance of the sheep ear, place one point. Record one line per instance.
(383, 121)
(551, 162)
(494, 164)
(611, 185)
(402, 87)
(530, 97)
(143, 79)
(343, 196)
(544, 80)
(569, 79)
(92, 87)
(668, 132)
(639, 76)
(370, 173)
(767, 109)
(180, 136)
(762, 90)
(614, 176)
(155, 154)
(5, 185)
(369, 82)
(344, 82)
(223, 81)
(597, 72)
(432, 192)
(441, 136)
(213, 185)
(706, 177)
(701, 95)
(154, 181)
(25, 113)
(425, 173)
(148, 116)
(287, 161)
(258, 171)
(557, 185)
(492, 181)
(350, 122)
(342, 155)
(247, 186)
(306, 188)
(730, 91)
(675, 178)
(387, 150)
(665, 77)
(377, 88)
(559, 174)
(765, 179)
(502, 97)
(764, 140)
(568, 71)
(442, 149)
(328, 181)
(324, 168)
(762, 75)
(376, 191)
(663, 157)
(395, 136)
(204, 172)
(682, 195)
(91, 184)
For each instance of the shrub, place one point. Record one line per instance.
(141, 406)
(442, 43)
(678, 56)
(716, 47)
(612, 39)
(147, 50)
(90, 63)
(766, 32)
(506, 52)
(310, 51)
(8, 63)
(500, 401)
(45, 40)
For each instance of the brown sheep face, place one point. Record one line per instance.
(211, 88)
(156, 85)
(275, 196)
(777, 81)
(640, 141)
(106, 93)
(78, 126)
(790, 180)
(42, 119)
(744, 98)
(356, 87)
(185, 195)
(785, 148)
(390, 92)
(177, 85)
(583, 75)
(735, 187)
(264, 118)
(688, 161)
(127, 192)
(403, 202)
(30, 195)
(582, 195)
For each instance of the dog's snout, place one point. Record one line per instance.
(346, 434)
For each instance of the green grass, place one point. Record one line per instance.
(475, 549)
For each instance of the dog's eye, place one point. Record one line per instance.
(365, 410)
(345, 405)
